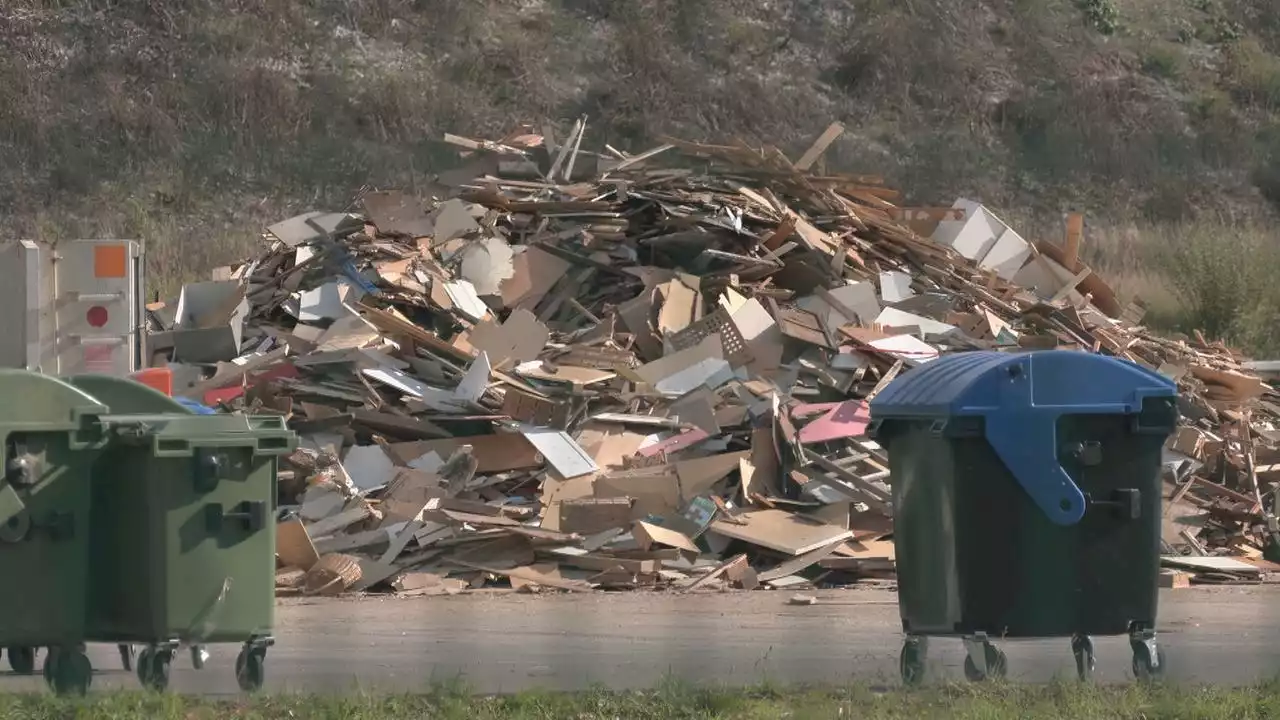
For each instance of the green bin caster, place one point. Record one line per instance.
(251, 664)
(911, 663)
(1148, 656)
(155, 663)
(22, 660)
(67, 670)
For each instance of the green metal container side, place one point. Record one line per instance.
(174, 555)
(128, 397)
(44, 527)
(975, 554)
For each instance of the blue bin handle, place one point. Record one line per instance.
(1024, 440)
(1025, 436)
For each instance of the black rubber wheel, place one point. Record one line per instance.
(68, 672)
(251, 669)
(997, 665)
(1086, 662)
(911, 661)
(1143, 668)
(50, 664)
(142, 663)
(197, 657)
(154, 667)
(22, 660)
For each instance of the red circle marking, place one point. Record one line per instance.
(97, 316)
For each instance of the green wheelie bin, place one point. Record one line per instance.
(183, 530)
(1027, 499)
(51, 438)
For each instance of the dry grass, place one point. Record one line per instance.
(1214, 274)
(1066, 700)
(193, 127)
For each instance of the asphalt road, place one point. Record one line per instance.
(506, 643)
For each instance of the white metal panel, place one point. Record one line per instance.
(80, 306)
(96, 307)
(19, 305)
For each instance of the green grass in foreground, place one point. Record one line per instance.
(675, 702)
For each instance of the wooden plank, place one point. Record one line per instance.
(796, 564)
(819, 146)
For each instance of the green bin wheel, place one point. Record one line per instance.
(154, 667)
(997, 665)
(911, 662)
(1145, 667)
(22, 660)
(251, 668)
(68, 671)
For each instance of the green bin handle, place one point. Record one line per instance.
(260, 444)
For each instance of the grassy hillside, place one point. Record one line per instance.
(192, 122)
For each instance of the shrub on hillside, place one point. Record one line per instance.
(1225, 276)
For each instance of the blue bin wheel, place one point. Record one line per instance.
(154, 668)
(997, 665)
(22, 660)
(911, 662)
(1146, 667)
(251, 668)
(1086, 662)
(68, 671)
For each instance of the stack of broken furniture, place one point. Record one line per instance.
(571, 370)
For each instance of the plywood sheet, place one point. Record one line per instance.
(779, 530)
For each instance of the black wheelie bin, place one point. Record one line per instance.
(1027, 498)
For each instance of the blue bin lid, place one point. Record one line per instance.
(1021, 396)
(195, 407)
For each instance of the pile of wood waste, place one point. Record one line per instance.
(555, 369)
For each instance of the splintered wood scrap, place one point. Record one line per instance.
(724, 514)
(635, 160)
(577, 145)
(582, 310)
(566, 148)
(1250, 463)
(762, 501)
(736, 562)
(1195, 544)
(486, 145)
(885, 379)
